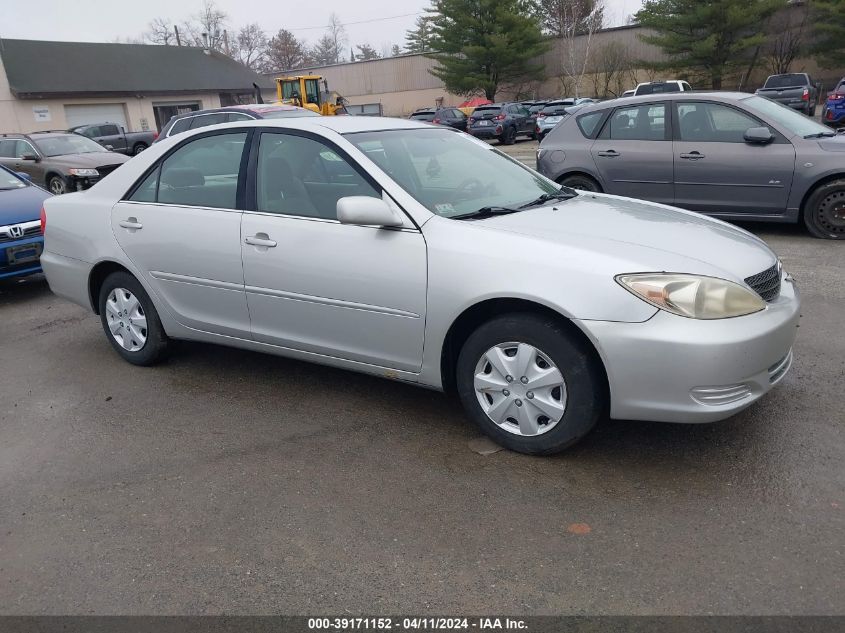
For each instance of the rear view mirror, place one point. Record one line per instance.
(32, 157)
(760, 135)
(366, 211)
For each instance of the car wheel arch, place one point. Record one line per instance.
(50, 175)
(478, 313)
(98, 275)
(583, 174)
(821, 182)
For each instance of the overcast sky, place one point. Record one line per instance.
(107, 20)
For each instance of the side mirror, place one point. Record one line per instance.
(32, 157)
(366, 211)
(759, 135)
(24, 175)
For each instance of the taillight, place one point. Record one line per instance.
(806, 95)
(471, 120)
(436, 121)
(838, 95)
(43, 220)
(500, 117)
(155, 136)
(829, 115)
(537, 129)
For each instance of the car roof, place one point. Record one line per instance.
(668, 96)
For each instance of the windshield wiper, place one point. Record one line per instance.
(820, 135)
(485, 212)
(564, 193)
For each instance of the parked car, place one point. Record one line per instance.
(534, 108)
(659, 87)
(230, 114)
(796, 90)
(114, 137)
(551, 115)
(833, 110)
(21, 240)
(338, 241)
(60, 161)
(733, 155)
(501, 121)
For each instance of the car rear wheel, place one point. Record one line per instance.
(509, 136)
(56, 185)
(529, 384)
(824, 212)
(131, 322)
(138, 148)
(580, 182)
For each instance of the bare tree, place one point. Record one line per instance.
(558, 17)
(250, 46)
(338, 34)
(611, 70)
(160, 32)
(577, 37)
(786, 40)
(210, 23)
(325, 51)
(285, 52)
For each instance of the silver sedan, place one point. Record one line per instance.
(426, 256)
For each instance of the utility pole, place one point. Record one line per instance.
(176, 30)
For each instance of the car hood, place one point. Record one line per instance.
(833, 144)
(21, 205)
(91, 159)
(636, 236)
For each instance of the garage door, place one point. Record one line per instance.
(95, 113)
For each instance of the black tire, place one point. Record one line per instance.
(580, 182)
(138, 148)
(56, 185)
(824, 211)
(585, 385)
(509, 136)
(813, 110)
(157, 345)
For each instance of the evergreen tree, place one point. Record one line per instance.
(829, 25)
(285, 52)
(418, 39)
(712, 38)
(560, 17)
(484, 45)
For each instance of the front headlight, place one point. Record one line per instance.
(693, 296)
(76, 171)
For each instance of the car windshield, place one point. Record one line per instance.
(792, 120)
(487, 110)
(648, 89)
(285, 114)
(69, 144)
(9, 180)
(451, 174)
(786, 81)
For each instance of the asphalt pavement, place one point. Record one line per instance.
(232, 482)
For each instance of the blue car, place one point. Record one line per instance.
(21, 239)
(833, 112)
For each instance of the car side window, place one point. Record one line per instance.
(90, 131)
(182, 125)
(588, 123)
(712, 122)
(22, 148)
(637, 123)
(209, 119)
(300, 176)
(202, 173)
(108, 130)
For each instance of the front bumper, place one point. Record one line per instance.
(674, 369)
(12, 260)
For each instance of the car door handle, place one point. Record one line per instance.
(611, 153)
(131, 223)
(693, 156)
(260, 239)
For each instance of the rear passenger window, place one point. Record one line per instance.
(237, 116)
(182, 125)
(202, 173)
(638, 123)
(209, 119)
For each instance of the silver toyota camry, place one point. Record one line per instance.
(424, 255)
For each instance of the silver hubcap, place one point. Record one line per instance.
(57, 187)
(520, 389)
(126, 319)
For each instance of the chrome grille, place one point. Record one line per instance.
(767, 283)
(30, 229)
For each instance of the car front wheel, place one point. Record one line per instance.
(131, 321)
(824, 212)
(57, 185)
(529, 384)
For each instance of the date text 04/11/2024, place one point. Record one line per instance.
(415, 624)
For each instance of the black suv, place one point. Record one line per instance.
(448, 116)
(502, 121)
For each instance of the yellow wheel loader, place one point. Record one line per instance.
(304, 91)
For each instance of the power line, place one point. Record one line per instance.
(390, 17)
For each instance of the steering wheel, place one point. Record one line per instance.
(468, 189)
